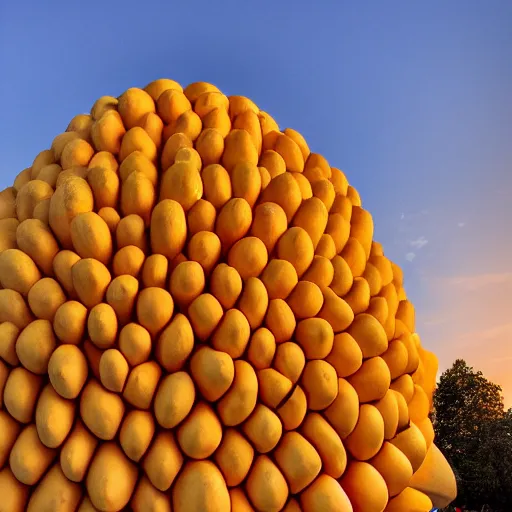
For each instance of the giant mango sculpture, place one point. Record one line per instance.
(195, 317)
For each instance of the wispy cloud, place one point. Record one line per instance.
(410, 256)
(433, 321)
(491, 334)
(469, 317)
(500, 359)
(414, 215)
(461, 224)
(474, 282)
(419, 242)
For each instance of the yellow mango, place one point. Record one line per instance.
(81, 124)
(104, 490)
(20, 394)
(29, 196)
(163, 460)
(168, 229)
(201, 432)
(200, 486)
(266, 486)
(157, 87)
(325, 493)
(343, 413)
(54, 417)
(294, 409)
(14, 493)
(67, 370)
(372, 380)
(146, 496)
(101, 105)
(327, 443)
(58, 145)
(133, 104)
(239, 402)
(174, 399)
(101, 410)
(74, 196)
(107, 132)
(29, 457)
(365, 487)
(8, 229)
(55, 488)
(234, 457)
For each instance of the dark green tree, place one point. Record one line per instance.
(494, 455)
(471, 430)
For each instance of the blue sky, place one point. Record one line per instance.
(411, 99)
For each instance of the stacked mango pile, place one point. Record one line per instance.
(195, 317)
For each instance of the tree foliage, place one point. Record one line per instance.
(475, 434)
(494, 455)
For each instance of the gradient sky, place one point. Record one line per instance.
(411, 99)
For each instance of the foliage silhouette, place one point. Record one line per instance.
(475, 434)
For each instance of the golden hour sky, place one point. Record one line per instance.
(461, 279)
(411, 99)
(479, 309)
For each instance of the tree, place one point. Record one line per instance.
(471, 429)
(494, 454)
